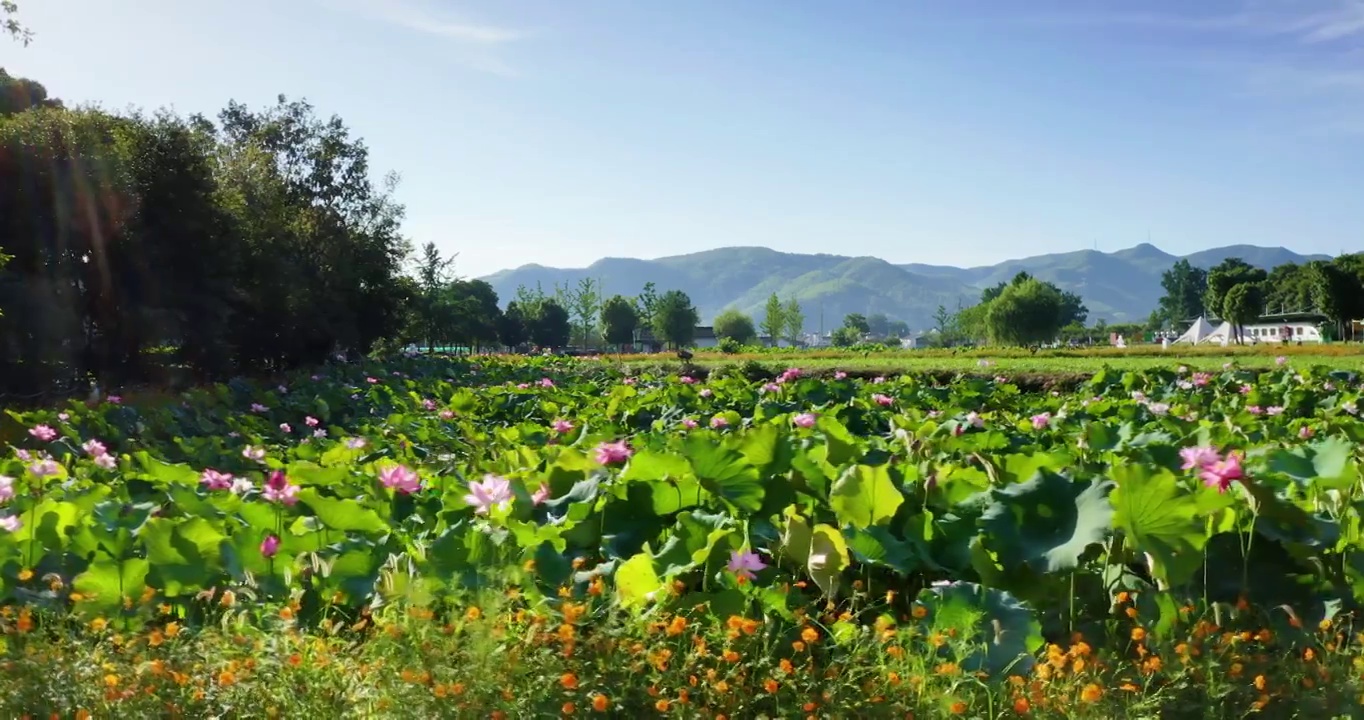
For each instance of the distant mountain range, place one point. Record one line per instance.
(1122, 286)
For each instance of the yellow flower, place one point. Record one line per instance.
(1091, 693)
(25, 575)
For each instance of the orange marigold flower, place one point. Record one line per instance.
(473, 614)
(809, 635)
(919, 612)
(958, 708)
(568, 708)
(770, 686)
(569, 681)
(1091, 693)
(662, 705)
(1021, 706)
(600, 702)
(1138, 634)
(730, 656)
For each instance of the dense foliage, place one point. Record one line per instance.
(254, 243)
(428, 475)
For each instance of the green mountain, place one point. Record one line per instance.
(1122, 286)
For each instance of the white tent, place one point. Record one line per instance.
(1196, 332)
(1223, 335)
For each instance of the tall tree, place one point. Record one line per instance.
(675, 319)
(585, 305)
(551, 326)
(511, 327)
(619, 320)
(795, 321)
(482, 315)
(1185, 287)
(1336, 292)
(1226, 275)
(878, 325)
(1242, 304)
(1026, 313)
(646, 304)
(858, 322)
(773, 323)
(735, 326)
(434, 307)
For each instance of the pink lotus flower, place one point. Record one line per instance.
(744, 563)
(285, 428)
(259, 408)
(688, 423)
(400, 479)
(840, 375)
(804, 420)
(253, 453)
(628, 381)
(106, 461)
(540, 495)
(1273, 410)
(1223, 472)
(6, 488)
(428, 405)
(320, 433)
(67, 416)
(492, 491)
(612, 453)
(355, 443)
(687, 380)
(719, 422)
(1158, 408)
(771, 388)
(269, 546)
(1305, 432)
(214, 480)
(1200, 379)
(242, 486)
(94, 448)
(1041, 421)
(447, 414)
(1000, 379)
(11, 523)
(1280, 360)
(1255, 410)
(1245, 389)
(546, 382)
(311, 421)
(114, 399)
(882, 400)
(706, 392)
(372, 380)
(523, 386)
(1198, 457)
(878, 380)
(975, 420)
(278, 489)
(43, 433)
(562, 426)
(46, 467)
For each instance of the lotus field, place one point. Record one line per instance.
(537, 537)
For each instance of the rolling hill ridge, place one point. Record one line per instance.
(1121, 286)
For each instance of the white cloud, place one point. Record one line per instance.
(478, 43)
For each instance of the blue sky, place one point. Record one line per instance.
(958, 132)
